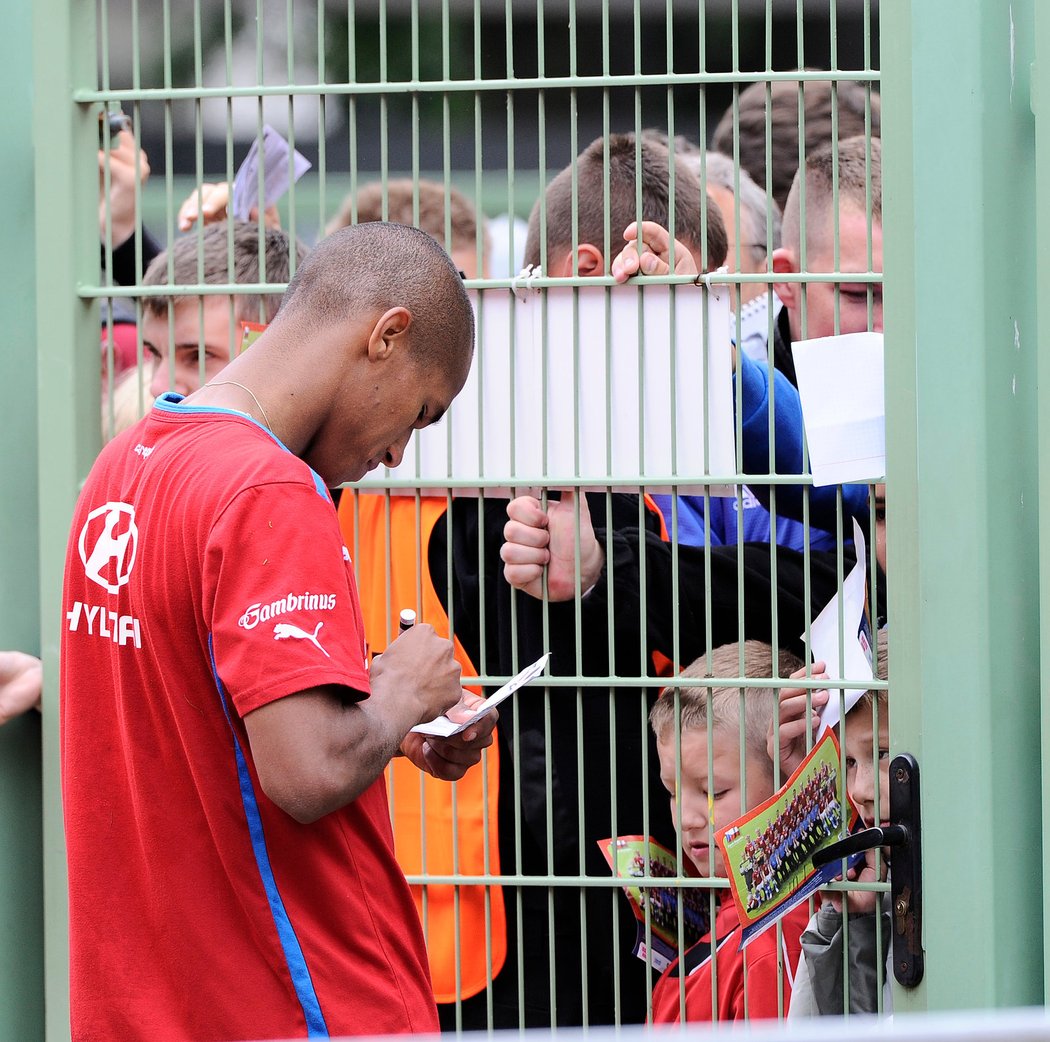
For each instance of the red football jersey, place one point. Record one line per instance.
(206, 576)
(768, 989)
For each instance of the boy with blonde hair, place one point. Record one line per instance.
(707, 793)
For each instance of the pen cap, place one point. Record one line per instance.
(407, 620)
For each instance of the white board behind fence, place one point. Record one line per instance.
(630, 383)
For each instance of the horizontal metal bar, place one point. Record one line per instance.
(416, 86)
(681, 882)
(683, 682)
(589, 481)
(688, 882)
(716, 278)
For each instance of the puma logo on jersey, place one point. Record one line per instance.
(286, 631)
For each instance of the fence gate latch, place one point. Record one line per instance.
(903, 834)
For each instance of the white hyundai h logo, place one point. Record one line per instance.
(285, 630)
(109, 545)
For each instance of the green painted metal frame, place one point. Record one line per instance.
(21, 849)
(963, 399)
(963, 495)
(1041, 111)
(67, 257)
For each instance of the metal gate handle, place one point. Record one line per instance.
(906, 874)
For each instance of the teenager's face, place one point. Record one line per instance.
(199, 337)
(868, 761)
(711, 790)
(820, 297)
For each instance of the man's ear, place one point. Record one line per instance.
(785, 261)
(388, 332)
(590, 262)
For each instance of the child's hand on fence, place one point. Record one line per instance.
(648, 252)
(21, 679)
(794, 728)
(860, 902)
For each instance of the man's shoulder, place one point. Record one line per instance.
(222, 450)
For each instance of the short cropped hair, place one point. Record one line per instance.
(784, 121)
(882, 671)
(371, 268)
(623, 177)
(722, 705)
(205, 258)
(859, 161)
(401, 195)
(752, 203)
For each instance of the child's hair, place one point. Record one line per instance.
(853, 170)
(723, 703)
(620, 153)
(206, 258)
(882, 672)
(400, 200)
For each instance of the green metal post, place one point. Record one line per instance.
(1041, 110)
(962, 484)
(66, 145)
(21, 858)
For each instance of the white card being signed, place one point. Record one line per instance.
(857, 640)
(442, 727)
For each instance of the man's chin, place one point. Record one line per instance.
(361, 472)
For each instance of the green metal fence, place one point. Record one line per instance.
(496, 100)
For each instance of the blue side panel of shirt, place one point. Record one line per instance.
(723, 523)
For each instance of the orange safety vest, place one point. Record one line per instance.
(439, 829)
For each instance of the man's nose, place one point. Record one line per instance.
(396, 453)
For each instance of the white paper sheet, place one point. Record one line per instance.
(275, 151)
(824, 636)
(442, 727)
(840, 382)
(539, 408)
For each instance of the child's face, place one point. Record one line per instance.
(710, 798)
(862, 748)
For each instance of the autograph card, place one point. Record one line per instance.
(768, 852)
(637, 857)
(442, 727)
(281, 164)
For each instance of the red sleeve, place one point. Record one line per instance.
(279, 597)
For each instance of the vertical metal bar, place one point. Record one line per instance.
(322, 112)
(289, 28)
(351, 76)
(1041, 109)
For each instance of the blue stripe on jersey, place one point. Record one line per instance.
(167, 403)
(293, 953)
